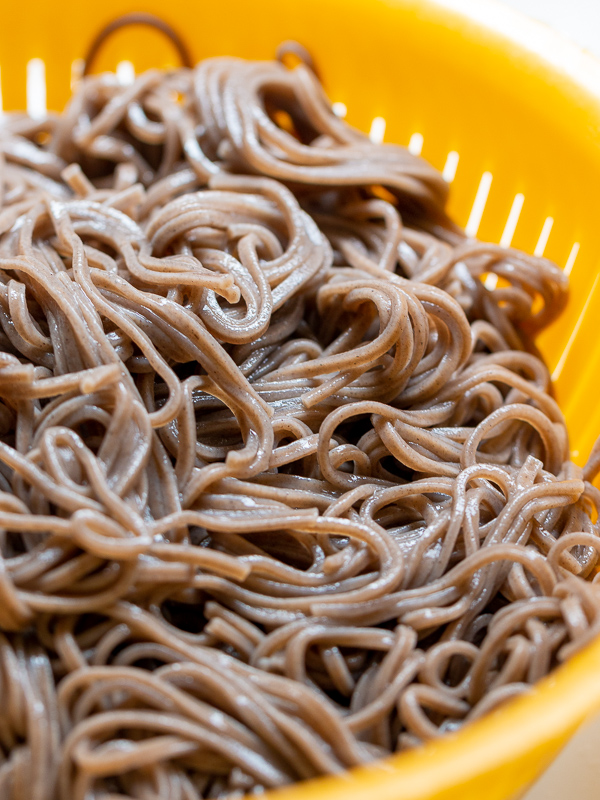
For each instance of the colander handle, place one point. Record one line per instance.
(124, 21)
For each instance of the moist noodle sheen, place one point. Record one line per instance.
(283, 488)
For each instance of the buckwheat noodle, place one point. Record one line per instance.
(283, 486)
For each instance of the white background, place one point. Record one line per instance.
(579, 20)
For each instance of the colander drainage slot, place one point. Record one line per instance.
(36, 88)
(415, 144)
(479, 203)
(562, 360)
(571, 259)
(377, 131)
(450, 167)
(543, 240)
(511, 222)
(125, 73)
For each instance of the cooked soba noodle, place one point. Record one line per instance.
(283, 487)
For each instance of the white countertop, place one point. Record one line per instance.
(579, 20)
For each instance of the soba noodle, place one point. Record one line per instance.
(283, 487)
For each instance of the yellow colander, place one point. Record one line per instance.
(511, 113)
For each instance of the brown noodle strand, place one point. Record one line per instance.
(282, 486)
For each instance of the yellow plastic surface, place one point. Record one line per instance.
(512, 99)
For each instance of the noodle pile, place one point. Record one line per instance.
(283, 488)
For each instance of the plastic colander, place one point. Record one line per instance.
(511, 113)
